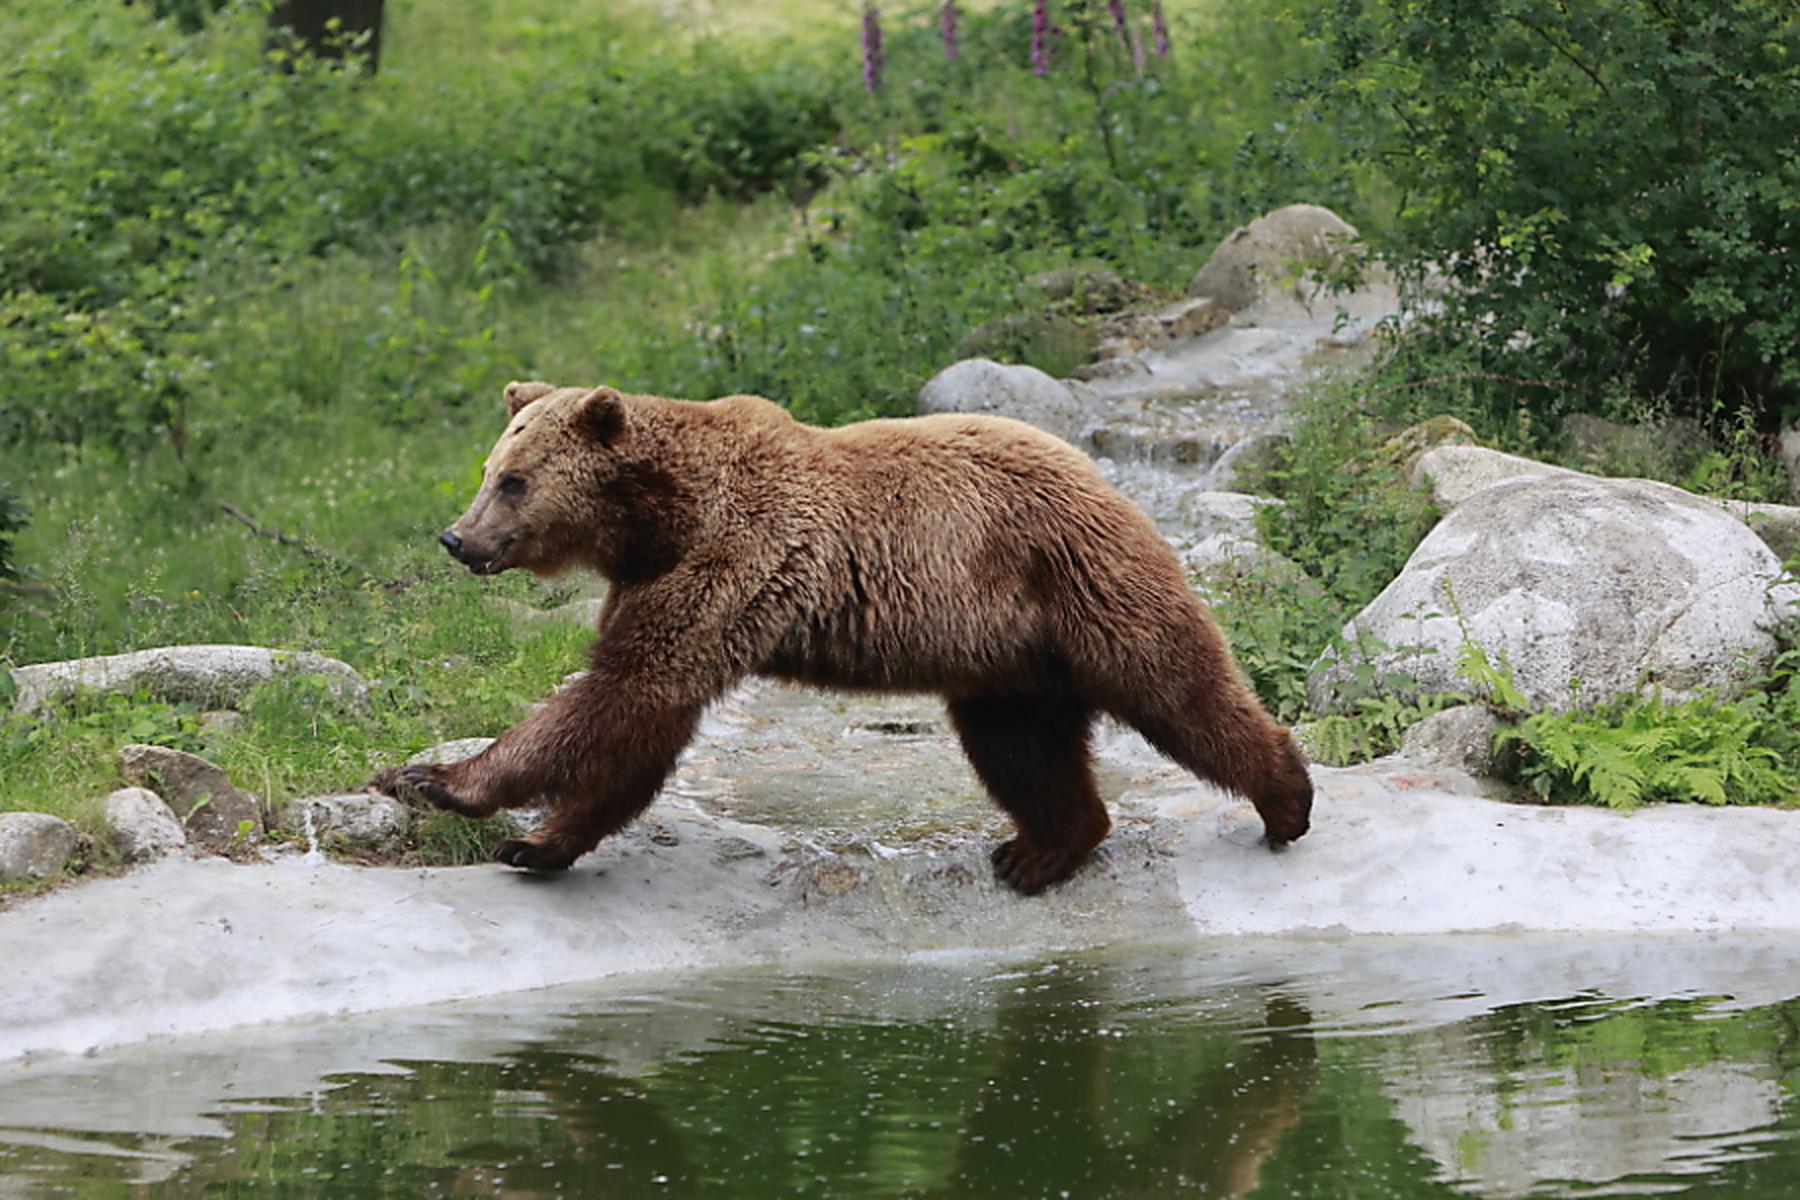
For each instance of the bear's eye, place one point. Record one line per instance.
(512, 485)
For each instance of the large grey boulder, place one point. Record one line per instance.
(141, 825)
(1617, 584)
(354, 823)
(1276, 267)
(217, 676)
(33, 846)
(211, 809)
(979, 385)
(1454, 473)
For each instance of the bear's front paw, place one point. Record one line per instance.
(534, 855)
(416, 785)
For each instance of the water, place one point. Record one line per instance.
(1373, 1067)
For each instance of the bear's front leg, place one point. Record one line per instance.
(596, 754)
(436, 785)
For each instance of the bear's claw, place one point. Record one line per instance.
(1029, 870)
(416, 785)
(532, 856)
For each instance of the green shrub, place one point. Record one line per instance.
(1609, 186)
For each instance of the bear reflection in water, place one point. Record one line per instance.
(972, 557)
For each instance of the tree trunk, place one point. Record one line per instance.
(296, 23)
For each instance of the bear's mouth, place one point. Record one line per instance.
(493, 564)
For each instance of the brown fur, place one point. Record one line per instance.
(974, 557)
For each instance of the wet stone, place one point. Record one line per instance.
(211, 809)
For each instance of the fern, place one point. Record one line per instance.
(1643, 749)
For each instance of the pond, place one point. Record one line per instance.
(1390, 1067)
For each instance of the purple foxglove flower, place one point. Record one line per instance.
(1117, 9)
(1137, 53)
(947, 21)
(871, 48)
(1040, 37)
(1162, 29)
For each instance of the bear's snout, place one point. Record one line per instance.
(451, 542)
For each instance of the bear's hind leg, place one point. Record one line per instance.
(1229, 740)
(1031, 753)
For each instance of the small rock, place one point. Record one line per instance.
(220, 723)
(142, 826)
(731, 848)
(1460, 737)
(454, 751)
(1403, 450)
(1248, 464)
(357, 823)
(1211, 514)
(208, 675)
(1086, 289)
(213, 811)
(978, 385)
(1194, 317)
(1035, 337)
(33, 846)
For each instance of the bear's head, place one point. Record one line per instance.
(543, 503)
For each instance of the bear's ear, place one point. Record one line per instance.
(601, 415)
(518, 395)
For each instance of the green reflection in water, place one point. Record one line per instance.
(1080, 1078)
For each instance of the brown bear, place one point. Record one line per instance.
(974, 557)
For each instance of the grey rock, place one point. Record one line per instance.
(1222, 543)
(211, 809)
(355, 823)
(1273, 266)
(1454, 473)
(453, 751)
(1213, 513)
(1089, 289)
(978, 385)
(207, 675)
(1617, 584)
(220, 723)
(1460, 737)
(33, 846)
(1248, 463)
(141, 825)
(1038, 336)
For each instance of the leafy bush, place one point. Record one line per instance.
(1609, 187)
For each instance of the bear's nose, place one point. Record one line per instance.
(450, 542)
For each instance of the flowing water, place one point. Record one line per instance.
(1367, 1067)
